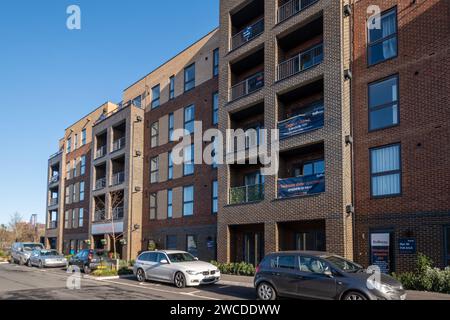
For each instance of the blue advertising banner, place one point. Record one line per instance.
(302, 123)
(407, 246)
(301, 186)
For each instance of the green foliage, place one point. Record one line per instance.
(68, 256)
(107, 272)
(131, 262)
(239, 269)
(426, 277)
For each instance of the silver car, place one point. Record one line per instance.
(21, 251)
(47, 259)
(177, 267)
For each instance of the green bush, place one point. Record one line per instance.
(239, 269)
(107, 272)
(426, 277)
(131, 262)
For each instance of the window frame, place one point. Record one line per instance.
(189, 121)
(188, 202)
(383, 106)
(216, 62)
(215, 111)
(399, 171)
(191, 161)
(169, 165)
(154, 136)
(172, 87)
(83, 137)
(170, 204)
(154, 171)
(171, 127)
(69, 145)
(66, 220)
(153, 207)
(186, 69)
(80, 217)
(81, 191)
(74, 218)
(214, 198)
(156, 101)
(82, 165)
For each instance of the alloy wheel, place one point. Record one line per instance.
(354, 296)
(265, 292)
(180, 281)
(140, 275)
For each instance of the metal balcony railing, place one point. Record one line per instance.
(54, 178)
(100, 215)
(118, 178)
(300, 62)
(250, 139)
(53, 202)
(101, 152)
(246, 194)
(100, 184)
(293, 7)
(247, 86)
(52, 225)
(117, 213)
(118, 144)
(247, 34)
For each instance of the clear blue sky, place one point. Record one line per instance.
(51, 76)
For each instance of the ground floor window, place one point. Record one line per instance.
(447, 246)
(191, 245)
(312, 240)
(253, 248)
(171, 242)
(382, 250)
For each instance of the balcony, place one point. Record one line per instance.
(291, 8)
(247, 194)
(99, 215)
(53, 202)
(119, 144)
(100, 184)
(300, 62)
(247, 86)
(54, 179)
(118, 213)
(118, 178)
(247, 34)
(101, 152)
(52, 225)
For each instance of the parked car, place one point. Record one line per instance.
(21, 251)
(320, 275)
(89, 260)
(177, 267)
(47, 259)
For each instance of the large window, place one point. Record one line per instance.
(156, 93)
(188, 201)
(154, 168)
(216, 62)
(385, 171)
(189, 77)
(172, 87)
(74, 218)
(83, 137)
(80, 218)
(191, 245)
(75, 142)
(154, 134)
(189, 118)
(68, 195)
(171, 126)
(383, 38)
(74, 168)
(169, 203)
(137, 101)
(215, 197)
(215, 117)
(82, 191)
(171, 242)
(82, 165)
(383, 103)
(170, 166)
(310, 168)
(188, 163)
(66, 220)
(68, 170)
(153, 205)
(69, 145)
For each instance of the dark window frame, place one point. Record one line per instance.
(188, 202)
(386, 173)
(215, 110)
(172, 88)
(376, 108)
(170, 204)
(214, 198)
(156, 101)
(169, 166)
(191, 163)
(153, 207)
(171, 127)
(187, 84)
(154, 171)
(216, 62)
(154, 136)
(189, 121)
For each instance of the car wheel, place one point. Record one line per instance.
(266, 292)
(21, 263)
(180, 280)
(140, 275)
(86, 269)
(12, 261)
(353, 295)
(29, 263)
(41, 265)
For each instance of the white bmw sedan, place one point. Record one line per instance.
(177, 267)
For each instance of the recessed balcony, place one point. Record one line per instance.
(119, 133)
(247, 184)
(289, 8)
(247, 75)
(247, 24)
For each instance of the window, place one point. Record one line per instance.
(215, 196)
(313, 265)
(153, 206)
(137, 101)
(74, 218)
(69, 145)
(169, 203)
(310, 168)
(82, 165)
(68, 195)
(383, 103)
(154, 167)
(189, 77)
(75, 142)
(74, 168)
(66, 220)
(191, 245)
(170, 169)
(74, 192)
(385, 171)
(83, 137)
(447, 246)
(82, 191)
(216, 62)
(188, 165)
(80, 217)
(156, 93)
(171, 244)
(287, 262)
(189, 117)
(215, 108)
(171, 126)
(213, 153)
(188, 201)
(154, 133)
(383, 41)
(68, 170)
(172, 87)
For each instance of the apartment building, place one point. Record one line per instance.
(68, 186)
(180, 200)
(401, 90)
(284, 66)
(116, 185)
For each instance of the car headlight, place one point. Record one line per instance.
(192, 272)
(385, 289)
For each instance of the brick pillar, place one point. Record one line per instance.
(223, 243)
(270, 237)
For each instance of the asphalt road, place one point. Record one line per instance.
(21, 282)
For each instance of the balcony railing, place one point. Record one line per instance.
(101, 152)
(100, 215)
(293, 7)
(52, 225)
(301, 186)
(247, 86)
(53, 202)
(100, 184)
(118, 144)
(118, 213)
(250, 139)
(302, 123)
(118, 178)
(247, 34)
(246, 194)
(300, 62)
(54, 179)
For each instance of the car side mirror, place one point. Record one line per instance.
(196, 259)
(328, 273)
(164, 261)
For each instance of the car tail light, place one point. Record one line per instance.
(257, 269)
(90, 256)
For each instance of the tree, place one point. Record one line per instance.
(21, 231)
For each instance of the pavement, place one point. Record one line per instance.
(25, 283)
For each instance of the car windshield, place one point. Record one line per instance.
(181, 257)
(343, 264)
(32, 246)
(49, 253)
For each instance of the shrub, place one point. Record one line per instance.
(107, 272)
(239, 269)
(131, 263)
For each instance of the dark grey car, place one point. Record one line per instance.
(320, 275)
